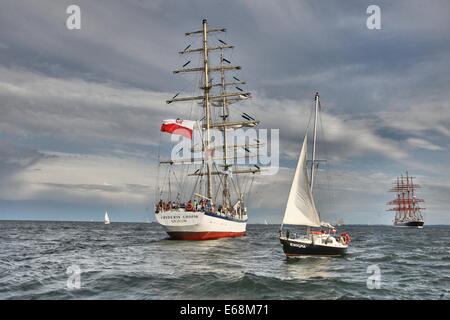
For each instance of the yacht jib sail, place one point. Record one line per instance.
(300, 208)
(207, 197)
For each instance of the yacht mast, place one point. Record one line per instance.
(313, 162)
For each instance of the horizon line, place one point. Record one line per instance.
(255, 223)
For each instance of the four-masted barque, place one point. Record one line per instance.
(406, 205)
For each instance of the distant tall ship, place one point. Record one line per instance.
(214, 205)
(406, 205)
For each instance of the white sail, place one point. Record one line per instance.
(300, 208)
(107, 221)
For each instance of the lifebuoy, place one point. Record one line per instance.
(189, 207)
(345, 237)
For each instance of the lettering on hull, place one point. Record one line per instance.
(174, 218)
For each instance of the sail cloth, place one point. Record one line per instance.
(178, 126)
(300, 208)
(106, 217)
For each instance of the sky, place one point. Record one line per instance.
(81, 109)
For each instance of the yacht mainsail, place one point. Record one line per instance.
(300, 208)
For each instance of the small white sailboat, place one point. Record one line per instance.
(107, 221)
(301, 211)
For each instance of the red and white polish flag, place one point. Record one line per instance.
(178, 126)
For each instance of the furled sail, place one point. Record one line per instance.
(300, 208)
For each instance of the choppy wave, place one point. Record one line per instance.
(136, 261)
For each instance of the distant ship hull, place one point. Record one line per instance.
(296, 248)
(186, 225)
(409, 224)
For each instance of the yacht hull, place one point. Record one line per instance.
(294, 248)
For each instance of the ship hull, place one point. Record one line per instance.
(184, 225)
(208, 235)
(409, 224)
(293, 248)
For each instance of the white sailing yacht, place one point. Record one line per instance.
(301, 210)
(107, 221)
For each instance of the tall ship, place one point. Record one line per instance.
(207, 198)
(320, 238)
(406, 205)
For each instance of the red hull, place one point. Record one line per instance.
(204, 235)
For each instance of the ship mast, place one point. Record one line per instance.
(226, 194)
(399, 209)
(206, 88)
(313, 162)
(408, 190)
(210, 99)
(403, 197)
